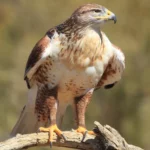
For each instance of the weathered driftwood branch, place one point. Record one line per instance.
(107, 139)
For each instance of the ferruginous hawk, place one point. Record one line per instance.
(65, 67)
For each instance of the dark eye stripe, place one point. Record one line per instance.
(97, 10)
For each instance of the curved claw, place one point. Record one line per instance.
(84, 131)
(63, 137)
(84, 135)
(51, 130)
(50, 144)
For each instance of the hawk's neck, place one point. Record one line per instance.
(82, 46)
(69, 27)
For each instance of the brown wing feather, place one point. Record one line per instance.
(34, 57)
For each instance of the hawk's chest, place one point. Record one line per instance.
(71, 79)
(75, 80)
(74, 65)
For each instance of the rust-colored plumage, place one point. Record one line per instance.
(65, 67)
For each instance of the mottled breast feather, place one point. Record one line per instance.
(34, 59)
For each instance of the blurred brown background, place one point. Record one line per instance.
(126, 107)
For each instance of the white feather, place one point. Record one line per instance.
(53, 47)
(120, 56)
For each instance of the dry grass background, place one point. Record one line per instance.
(126, 107)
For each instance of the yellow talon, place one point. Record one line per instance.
(51, 129)
(84, 130)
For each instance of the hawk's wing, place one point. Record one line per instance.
(38, 55)
(27, 122)
(113, 70)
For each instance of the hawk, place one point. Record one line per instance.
(65, 67)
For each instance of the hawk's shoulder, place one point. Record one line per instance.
(36, 57)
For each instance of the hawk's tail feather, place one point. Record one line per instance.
(27, 122)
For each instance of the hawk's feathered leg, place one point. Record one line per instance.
(80, 105)
(46, 104)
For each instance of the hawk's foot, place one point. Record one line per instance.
(83, 130)
(51, 129)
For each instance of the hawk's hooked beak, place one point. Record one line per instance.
(111, 16)
(108, 15)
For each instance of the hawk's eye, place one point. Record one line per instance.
(97, 10)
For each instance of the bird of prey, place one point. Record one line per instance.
(65, 67)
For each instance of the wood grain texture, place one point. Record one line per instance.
(107, 139)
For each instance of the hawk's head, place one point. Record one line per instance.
(93, 14)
